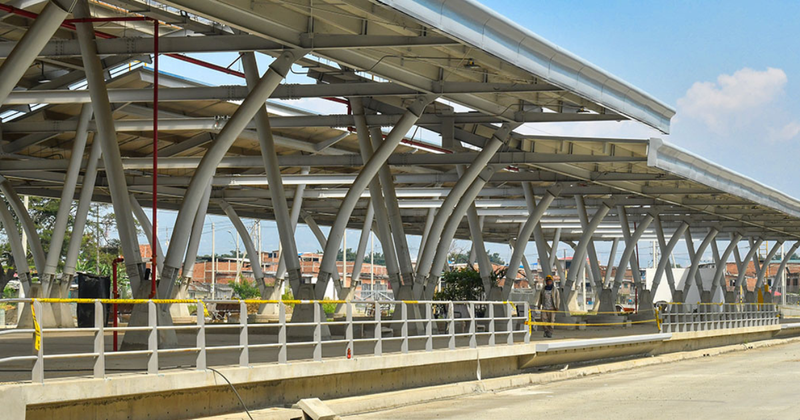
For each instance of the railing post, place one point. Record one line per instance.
(200, 361)
(317, 331)
(348, 332)
(378, 333)
(526, 317)
(491, 324)
(429, 326)
(452, 322)
(473, 340)
(282, 352)
(244, 352)
(37, 373)
(152, 341)
(511, 310)
(404, 327)
(99, 341)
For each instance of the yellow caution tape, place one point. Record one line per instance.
(658, 319)
(605, 324)
(37, 331)
(591, 313)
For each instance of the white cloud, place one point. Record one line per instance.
(723, 104)
(788, 132)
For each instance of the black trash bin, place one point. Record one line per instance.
(91, 286)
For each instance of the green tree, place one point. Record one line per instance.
(246, 289)
(351, 255)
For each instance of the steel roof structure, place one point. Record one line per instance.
(452, 67)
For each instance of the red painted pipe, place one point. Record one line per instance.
(115, 296)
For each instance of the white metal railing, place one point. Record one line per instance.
(684, 317)
(491, 322)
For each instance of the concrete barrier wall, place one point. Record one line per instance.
(190, 394)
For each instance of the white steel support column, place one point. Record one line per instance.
(425, 263)
(541, 249)
(594, 264)
(662, 245)
(376, 198)
(536, 210)
(627, 255)
(580, 250)
(554, 251)
(687, 237)
(17, 251)
(323, 242)
(476, 234)
(28, 227)
(367, 173)
(67, 194)
(355, 275)
(719, 273)
(140, 215)
(609, 267)
(449, 232)
(762, 273)
(393, 211)
(81, 214)
(426, 231)
(756, 263)
(297, 205)
(107, 135)
(693, 270)
(626, 234)
(781, 273)
(194, 241)
(283, 219)
(752, 253)
(31, 44)
(208, 165)
(252, 253)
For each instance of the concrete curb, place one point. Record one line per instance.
(389, 400)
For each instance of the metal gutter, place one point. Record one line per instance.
(677, 161)
(481, 27)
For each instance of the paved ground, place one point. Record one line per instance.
(741, 385)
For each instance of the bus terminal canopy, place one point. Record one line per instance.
(485, 70)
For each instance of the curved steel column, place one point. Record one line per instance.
(751, 253)
(364, 177)
(626, 259)
(355, 275)
(208, 164)
(297, 205)
(426, 231)
(450, 230)
(765, 267)
(626, 234)
(283, 219)
(84, 204)
(662, 245)
(107, 135)
(580, 250)
(698, 256)
(524, 236)
(31, 44)
(27, 223)
(194, 238)
(782, 267)
(255, 259)
(312, 224)
(140, 215)
(17, 251)
(666, 252)
(719, 273)
(611, 256)
(383, 231)
(425, 262)
(67, 193)
(594, 264)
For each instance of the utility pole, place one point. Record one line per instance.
(259, 246)
(344, 258)
(372, 260)
(238, 261)
(213, 262)
(97, 234)
(25, 202)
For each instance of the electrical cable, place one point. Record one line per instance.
(234, 391)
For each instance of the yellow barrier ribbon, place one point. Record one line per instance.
(605, 324)
(37, 331)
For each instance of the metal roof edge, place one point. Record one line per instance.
(484, 28)
(678, 161)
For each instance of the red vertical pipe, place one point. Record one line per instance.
(155, 161)
(115, 296)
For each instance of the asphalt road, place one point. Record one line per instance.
(762, 383)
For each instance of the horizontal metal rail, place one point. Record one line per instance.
(686, 317)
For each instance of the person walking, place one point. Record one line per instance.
(549, 300)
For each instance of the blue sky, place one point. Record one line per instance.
(730, 69)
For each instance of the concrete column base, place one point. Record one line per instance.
(677, 296)
(730, 297)
(646, 308)
(606, 301)
(269, 312)
(347, 295)
(705, 296)
(750, 297)
(180, 311)
(138, 340)
(305, 313)
(768, 298)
